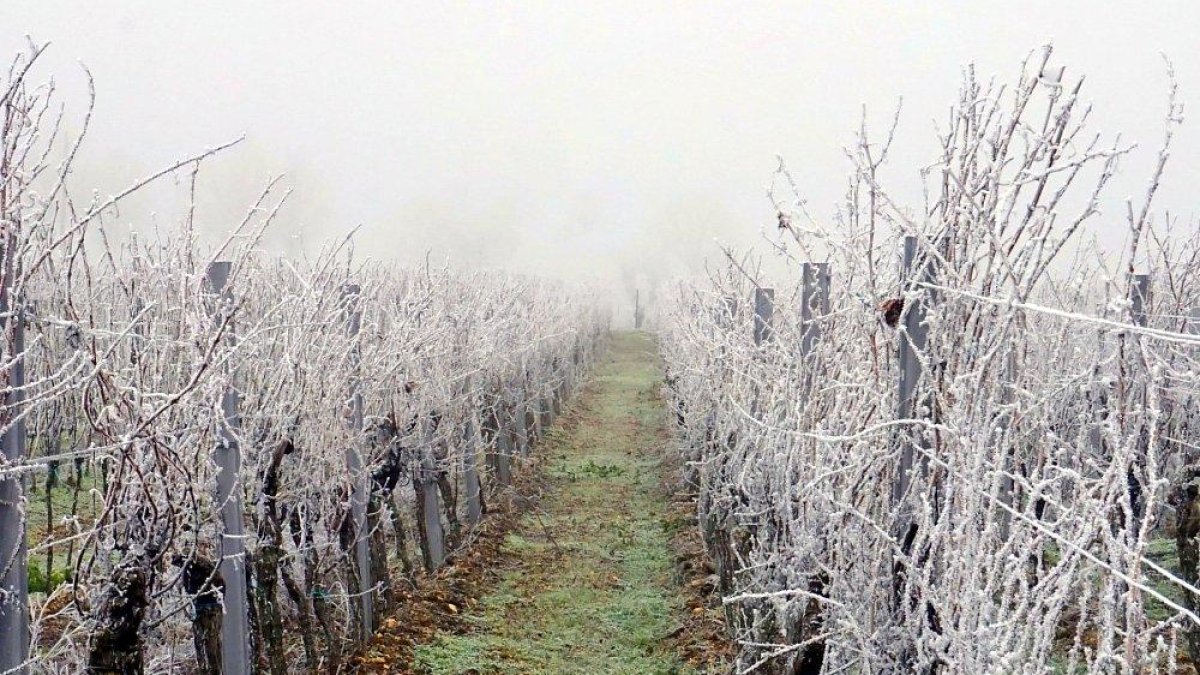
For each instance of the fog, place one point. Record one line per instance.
(575, 139)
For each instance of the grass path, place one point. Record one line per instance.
(587, 585)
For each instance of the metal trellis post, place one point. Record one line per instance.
(471, 461)
(912, 341)
(235, 624)
(1139, 303)
(354, 462)
(814, 302)
(431, 502)
(764, 309)
(14, 584)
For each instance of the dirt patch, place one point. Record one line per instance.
(703, 639)
(441, 602)
(603, 572)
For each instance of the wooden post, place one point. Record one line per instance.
(764, 309)
(354, 463)
(14, 584)
(235, 624)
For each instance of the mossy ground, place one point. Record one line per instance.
(588, 581)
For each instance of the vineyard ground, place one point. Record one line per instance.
(587, 581)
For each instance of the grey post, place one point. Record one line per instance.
(637, 309)
(1139, 298)
(545, 413)
(546, 396)
(1139, 302)
(561, 387)
(764, 309)
(235, 624)
(1193, 328)
(504, 443)
(521, 417)
(533, 407)
(1097, 399)
(913, 336)
(814, 302)
(471, 459)
(1008, 463)
(354, 463)
(14, 586)
(431, 504)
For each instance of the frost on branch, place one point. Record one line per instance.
(131, 363)
(1053, 417)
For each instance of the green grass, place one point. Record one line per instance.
(37, 529)
(61, 497)
(1163, 552)
(597, 596)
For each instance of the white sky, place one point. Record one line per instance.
(569, 136)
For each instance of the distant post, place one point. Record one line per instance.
(814, 302)
(471, 459)
(504, 447)
(523, 425)
(764, 310)
(1139, 298)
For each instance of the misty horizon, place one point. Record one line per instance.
(593, 142)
